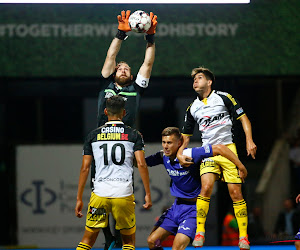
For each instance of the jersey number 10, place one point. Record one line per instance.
(113, 153)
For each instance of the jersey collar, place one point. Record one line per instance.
(117, 87)
(204, 100)
(114, 122)
(172, 161)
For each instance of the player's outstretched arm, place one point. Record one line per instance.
(184, 160)
(84, 173)
(147, 65)
(143, 169)
(250, 145)
(227, 153)
(114, 48)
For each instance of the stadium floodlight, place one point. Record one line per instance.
(130, 1)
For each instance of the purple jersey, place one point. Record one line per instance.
(185, 180)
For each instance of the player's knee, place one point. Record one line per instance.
(206, 189)
(151, 241)
(236, 195)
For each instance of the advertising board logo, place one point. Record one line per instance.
(38, 197)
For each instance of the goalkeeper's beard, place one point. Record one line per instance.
(123, 81)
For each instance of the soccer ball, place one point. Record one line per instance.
(140, 21)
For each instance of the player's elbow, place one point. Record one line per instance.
(142, 164)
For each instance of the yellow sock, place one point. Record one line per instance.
(128, 247)
(202, 210)
(240, 211)
(83, 246)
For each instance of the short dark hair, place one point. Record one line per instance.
(115, 105)
(171, 131)
(208, 74)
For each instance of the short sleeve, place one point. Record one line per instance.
(189, 122)
(104, 82)
(233, 106)
(87, 147)
(139, 143)
(199, 153)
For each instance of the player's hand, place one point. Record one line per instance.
(185, 161)
(251, 148)
(123, 21)
(153, 24)
(78, 209)
(298, 198)
(148, 202)
(243, 173)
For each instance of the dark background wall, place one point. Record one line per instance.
(49, 84)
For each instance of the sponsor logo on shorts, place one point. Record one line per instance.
(96, 214)
(183, 227)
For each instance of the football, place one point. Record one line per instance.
(140, 21)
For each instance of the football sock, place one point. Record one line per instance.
(83, 246)
(240, 211)
(128, 247)
(202, 210)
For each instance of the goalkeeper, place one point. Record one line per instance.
(117, 79)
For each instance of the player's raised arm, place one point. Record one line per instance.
(84, 172)
(147, 65)
(142, 166)
(227, 153)
(114, 48)
(250, 145)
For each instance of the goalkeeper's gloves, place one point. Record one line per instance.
(123, 25)
(150, 33)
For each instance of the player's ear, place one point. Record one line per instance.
(131, 77)
(180, 142)
(105, 111)
(124, 112)
(209, 82)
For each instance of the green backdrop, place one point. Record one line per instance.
(44, 40)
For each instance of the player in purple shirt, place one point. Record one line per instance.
(180, 219)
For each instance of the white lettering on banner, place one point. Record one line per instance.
(109, 30)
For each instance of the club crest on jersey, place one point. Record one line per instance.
(239, 110)
(108, 95)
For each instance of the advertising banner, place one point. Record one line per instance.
(64, 40)
(47, 178)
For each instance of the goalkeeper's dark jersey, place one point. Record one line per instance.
(131, 93)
